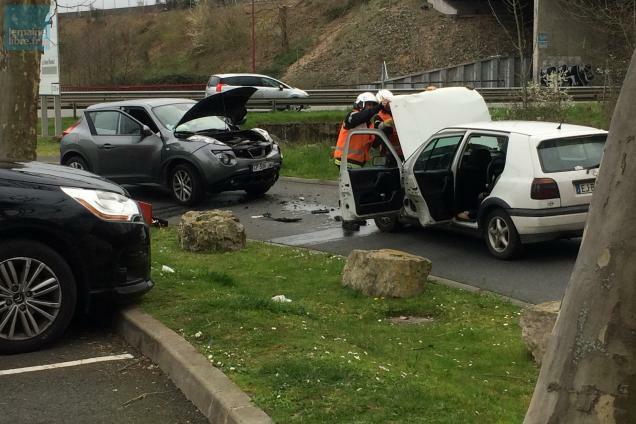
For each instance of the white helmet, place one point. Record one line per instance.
(384, 95)
(365, 98)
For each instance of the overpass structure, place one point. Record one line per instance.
(559, 38)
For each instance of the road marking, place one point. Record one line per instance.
(67, 364)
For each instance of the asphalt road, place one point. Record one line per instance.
(541, 274)
(131, 390)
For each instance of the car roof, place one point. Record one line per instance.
(140, 102)
(530, 128)
(242, 75)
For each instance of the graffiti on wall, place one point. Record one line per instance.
(568, 75)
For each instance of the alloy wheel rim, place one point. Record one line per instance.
(76, 165)
(30, 298)
(182, 185)
(498, 234)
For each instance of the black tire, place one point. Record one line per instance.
(77, 162)
(62, 292)
(501, 236)
(185, 184)
(388, 224)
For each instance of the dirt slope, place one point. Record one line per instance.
(331, 42)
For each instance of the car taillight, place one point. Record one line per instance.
(71, 128)
(146, 211)
(219, 87)
(544, 188)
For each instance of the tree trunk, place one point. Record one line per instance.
(282, 16)
(19, 85)
(589, 370)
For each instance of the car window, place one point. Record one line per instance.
(170, 115)
(128, 126)
(142, 116)
(438, 154)
(495, 145)
(232, 81)
(268, 82)
(213, 81)
(569, 154)
(106, 122)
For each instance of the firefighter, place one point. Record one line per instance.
(384, 121)
(364, 109)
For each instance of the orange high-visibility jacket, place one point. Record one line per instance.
(359, 146)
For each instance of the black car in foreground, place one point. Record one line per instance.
(67, 238)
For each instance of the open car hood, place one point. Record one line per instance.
(229, 104)
(419, 116)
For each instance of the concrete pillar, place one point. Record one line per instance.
(44, 116)
(57, 105)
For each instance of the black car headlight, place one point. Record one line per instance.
(105, 205)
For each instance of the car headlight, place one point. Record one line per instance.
(204, 139)
(106, 205)
(225, 157)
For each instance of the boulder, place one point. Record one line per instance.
(389, 273)
(211, 231)
(537, 323)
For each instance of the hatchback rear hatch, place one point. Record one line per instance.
(572, 163)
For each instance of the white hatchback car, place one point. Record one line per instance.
(521, 181)
(266, 87)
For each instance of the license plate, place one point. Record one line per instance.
(585, 188)
(262, 166)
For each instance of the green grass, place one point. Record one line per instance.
(584, 113)
(284, 117)
(331, 356)
(50, 146)
(309, 161)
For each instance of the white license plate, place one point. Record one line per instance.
(585, 188)
(261, 166)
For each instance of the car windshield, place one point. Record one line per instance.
(569, 154)
(170, 115)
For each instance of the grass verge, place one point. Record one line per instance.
(50, 146)
(284, 117)
(306, 160)
(332, 355)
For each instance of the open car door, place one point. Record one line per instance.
(375, 190)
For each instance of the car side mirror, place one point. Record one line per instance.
(281, 87)
(146, 131)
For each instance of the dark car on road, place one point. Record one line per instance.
(189, 147)
(69, 240)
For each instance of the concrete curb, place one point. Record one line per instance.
(472, 289)
(309, 181)
(218, 398)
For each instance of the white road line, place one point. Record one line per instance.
(67, 364)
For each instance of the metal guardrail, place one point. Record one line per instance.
(334, 97)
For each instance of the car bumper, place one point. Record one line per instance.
(239, 176)
(547, 224)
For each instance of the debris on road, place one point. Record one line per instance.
(281, 298)
(167, 269)
(257, 217)
(319, 211)
(282, 219)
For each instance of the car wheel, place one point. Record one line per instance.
(388, 224)
(38, 296)
(186, 185)
(501, 235)
(76, 162)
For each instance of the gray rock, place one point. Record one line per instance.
(537, 323)
(389, 273)
(211, 231)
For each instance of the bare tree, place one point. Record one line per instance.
(517, 11)
(589, 371)
(19, 80)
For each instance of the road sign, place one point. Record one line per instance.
(50, 62)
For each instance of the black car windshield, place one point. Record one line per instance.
(170, 115)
